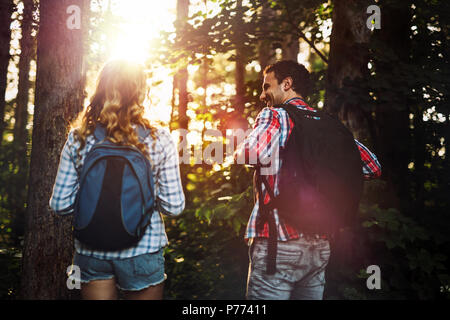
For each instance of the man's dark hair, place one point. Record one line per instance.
(301, 82)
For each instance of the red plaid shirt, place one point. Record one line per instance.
(271, 131)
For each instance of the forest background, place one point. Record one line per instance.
(384, 73)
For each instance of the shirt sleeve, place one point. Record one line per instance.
(66, 183)
(371, 166)
(260, 146)
(170, 197)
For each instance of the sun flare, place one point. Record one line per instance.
(131, 45)
(141, 22)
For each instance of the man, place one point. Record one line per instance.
(300, 259)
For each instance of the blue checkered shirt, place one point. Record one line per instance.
(169, 191)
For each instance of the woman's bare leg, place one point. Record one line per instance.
(150, 293)
(99, 290)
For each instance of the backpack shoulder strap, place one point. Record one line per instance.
(266, 215)
(143, 132)
(297, 114)
(100, 132)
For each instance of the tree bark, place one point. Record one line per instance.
(266, 54)
(173, 102)
(48, 246)
(291, 47)
(183, 98)
(182, 74)
(347, 71)
(239, 76)
(26, 54)
(204, 68)
(348, 59)
(239, 120)
(6, 10)
(393, 122)
(17, 193)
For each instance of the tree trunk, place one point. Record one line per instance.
(48, 246)
(173, 102)
(183, 98)
(6, 10)
(204, 68)
(26, 54)
(17, 193)
(291, 47)
(239, 120)
(182, 74)
(239, 76)
(266, 54)
(347, 63)
(393, 122)
(349, 56)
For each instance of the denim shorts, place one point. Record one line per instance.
(131, 274)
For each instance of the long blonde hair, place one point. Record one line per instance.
(116, 104)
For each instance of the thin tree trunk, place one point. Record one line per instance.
(204, 68)
(172, 111)
(204, 84)
(419, 153)
(182, 74)
(239, 76)
(48, 246)
(26, 54)
(239, 118)
(183, 98)
(18, 190)
(6, 10)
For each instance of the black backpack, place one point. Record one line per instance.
(320, 180)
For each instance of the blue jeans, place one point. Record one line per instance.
(300, 270)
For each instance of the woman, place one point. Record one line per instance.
(117, 106)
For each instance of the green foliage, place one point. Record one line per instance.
(207, 256)
(12, 211)
(410, 258)
(13, 192)
(9, 273)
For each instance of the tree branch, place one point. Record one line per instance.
(311, 44)
(302, 35)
